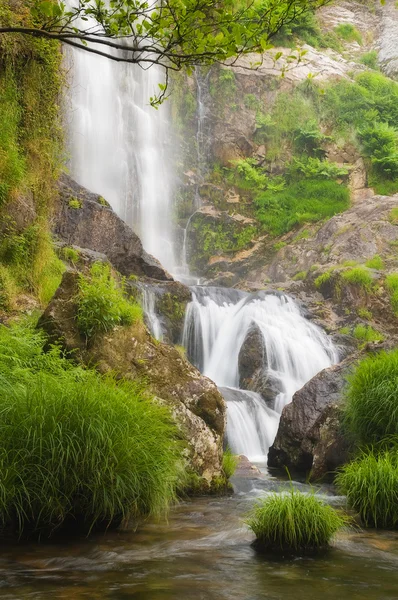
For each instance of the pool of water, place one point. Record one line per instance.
(202, 553)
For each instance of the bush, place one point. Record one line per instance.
(348, 33)
(371, 486)
(370, 59)
(76, 447)
(306, 201)
(371, 407)
(380, 144)
(230, 462)
(294, 521)
(358, 276)
(102, 305)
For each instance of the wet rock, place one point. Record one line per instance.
(196, 404)
(309, 438)
(86, 220)
(388, 39)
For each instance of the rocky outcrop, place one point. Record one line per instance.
(196, 404)
(388, 39)
(309, 439)
(86, 220)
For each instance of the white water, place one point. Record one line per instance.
(151, 317)
(216, 325)
(120, 146)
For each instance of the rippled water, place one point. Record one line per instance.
(202, 553)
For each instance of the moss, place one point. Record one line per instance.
(74, 203)
(300, 276)
(195, 485)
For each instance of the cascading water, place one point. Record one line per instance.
(120, 146)
(217, 323)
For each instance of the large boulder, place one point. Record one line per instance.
(309, 439)
(198, 407)
(86, 220)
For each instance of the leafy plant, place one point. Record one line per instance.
(315, 168)
(102, 304)
(294, 521)
(371, 406)
(370, 59)
(348, 33)
(380, 143)
(371, 485)
(367, 334)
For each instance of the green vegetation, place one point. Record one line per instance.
(348, 33)
(358, 276)
(393, 216)
(74, 203)
(77, 449)
(230, 462)
(371, 407)
(102, 303)
(322, 279)
(371, 485)
(392, 287)
(366, 333)
(370, 60)
(70, 254)
(300, 275)
(375, 263)
(303, 202)
(294, 522)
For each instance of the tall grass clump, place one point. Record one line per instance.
(102, 303)
(392, 286)
(230, 462)
(294, 522)
(358, 276)
(77, 448)
(371, 405)
(366, 333)
(371, 485)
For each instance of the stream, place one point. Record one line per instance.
(203, 552)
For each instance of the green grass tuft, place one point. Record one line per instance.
(348, 33)
(76, 447)
(102, 304)
(230, 462)
(294, 521)
(322, 279)
(371, 407)
(358, 276)
(375, 263)
(392, 287)
(371, 485)
(367, 334)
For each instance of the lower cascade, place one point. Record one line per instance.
(218, 321)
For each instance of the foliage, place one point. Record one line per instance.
(247, 176)
(294, 521)
(392, 286)
(74, 203)
(371, 485)
(102, 304)
(358, 276)
(8, 289)
(370, 59)
(309, 139)
(174, 35)
(300, 276)
(70, 254)
(371, 407)
(230, 462)
(77, 448)
(348, 33)
(322, 279)
(375, 263)
(315, 168)
(367, 334)
(306, 201)
(380, 144)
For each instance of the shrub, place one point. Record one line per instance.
(76, 447)
(230, 462)
(294, 521)
(358, 276)
(371, 406)
(375, 263)
(315, 168)
(380, 144)
(367, 334)
(371, 486)
(102, 305)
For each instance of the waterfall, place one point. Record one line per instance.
(217, 323)
(120, 146)
(151, 317)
